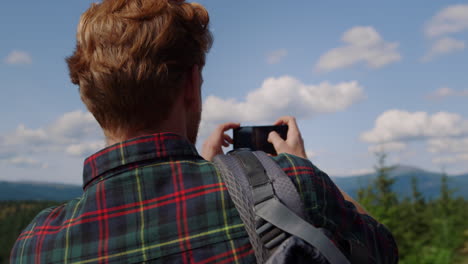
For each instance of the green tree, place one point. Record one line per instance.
(426, 231)
(379, 197)
(14, 217)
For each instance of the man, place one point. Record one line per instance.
(148, 196)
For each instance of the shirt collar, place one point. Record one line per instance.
(144, 148)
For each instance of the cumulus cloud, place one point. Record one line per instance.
(387, 147)
(74, 127)
(399, 125)
(361, 45)
(446, 92)
(449, 150)
(69, 128)
(339, 173)
(451, 159)
(311, 154)
(84, 149)
(276, 56)
(452, 19)
(283, 96)
(18, 57)
(445, 134)
(278, 97)
(75, 133)
(444, 46)
(448, 145)
(24, 135)
(25, 163)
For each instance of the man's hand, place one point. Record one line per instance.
(294, 144)
(212, 146)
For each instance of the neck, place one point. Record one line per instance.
(176, 123)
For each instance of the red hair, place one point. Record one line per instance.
(132, 56)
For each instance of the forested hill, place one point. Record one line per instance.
(428, 182)
(15, 191)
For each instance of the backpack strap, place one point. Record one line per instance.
(268, 221)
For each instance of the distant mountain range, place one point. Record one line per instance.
(38, 191)
(428, 182)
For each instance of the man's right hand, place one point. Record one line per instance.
(294, 144)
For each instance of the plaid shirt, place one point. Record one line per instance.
(153, 199)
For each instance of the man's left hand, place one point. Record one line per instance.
(213, 145)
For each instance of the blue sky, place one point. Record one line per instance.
(359, 75)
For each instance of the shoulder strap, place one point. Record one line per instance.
(260, 183)
(237, 184)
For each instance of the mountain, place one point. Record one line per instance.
(38, 191)
(428, 184)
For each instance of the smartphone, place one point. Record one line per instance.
(256, 137)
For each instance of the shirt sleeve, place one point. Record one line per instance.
(361, 237)
(23, 250)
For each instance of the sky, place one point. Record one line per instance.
(360, 76)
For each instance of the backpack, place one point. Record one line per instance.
(272, 212)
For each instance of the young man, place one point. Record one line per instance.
(149, 197)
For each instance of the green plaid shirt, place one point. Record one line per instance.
(153, 199)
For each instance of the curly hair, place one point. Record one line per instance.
(132, 56)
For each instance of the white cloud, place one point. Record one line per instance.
(444, 46)
(451, 159)
(442, 92)
(75, 133)
(446, 92)
(399, 125)
(445, 134)
(69, 128)
(24, 135)
(362, 45)
(311, 154)
(452, 19)
(449, 150)
(84, 149)
(283, 96)
(448, 145)
(278, 97)
(362, 171)
(17, 57)
(74, 127)
(24, 162)
(387, 147)
(276, 56)
(341, 173)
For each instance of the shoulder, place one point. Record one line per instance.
(303, 171)
(23, 249)
(290, 161)
(296, 165)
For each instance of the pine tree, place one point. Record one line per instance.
(384, 199)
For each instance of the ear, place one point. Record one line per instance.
(192, 89)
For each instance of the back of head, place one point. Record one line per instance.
(131, 58)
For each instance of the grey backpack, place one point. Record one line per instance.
(272, 212)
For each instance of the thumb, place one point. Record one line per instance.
(275, 139)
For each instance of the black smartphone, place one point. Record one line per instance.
(256, 137)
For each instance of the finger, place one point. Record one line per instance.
(293, 129)
(276, 140)
(278, 122)
(228, 139)
(226, 126)
(225, 144)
